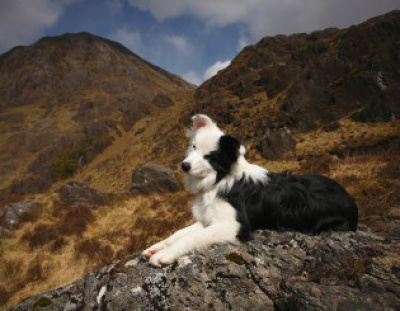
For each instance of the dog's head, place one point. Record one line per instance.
(211, 155)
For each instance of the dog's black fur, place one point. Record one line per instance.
(306, 203)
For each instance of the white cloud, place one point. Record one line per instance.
(243, 42)
(220, 12)
(129, 38)
(178, 42)
(270, 17)
(192, 77)
(213, 70)
(22, 21)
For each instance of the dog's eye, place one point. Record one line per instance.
(194, 147)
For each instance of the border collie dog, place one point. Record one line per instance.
(234, 198)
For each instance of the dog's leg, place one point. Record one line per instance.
(177, 235)
(196, 240)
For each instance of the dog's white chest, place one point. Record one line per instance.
(209, 209)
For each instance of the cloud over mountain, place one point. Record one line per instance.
(213, 69)
(22, 20)
(268, 17)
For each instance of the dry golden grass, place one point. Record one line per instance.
(349, 134)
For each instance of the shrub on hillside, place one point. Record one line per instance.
(66, 162)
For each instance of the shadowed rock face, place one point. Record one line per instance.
(275, 271)
(310, 79)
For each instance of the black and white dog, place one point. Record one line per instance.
(234, 198)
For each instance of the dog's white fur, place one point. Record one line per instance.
(215, 219)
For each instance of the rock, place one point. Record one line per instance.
(276, 143)
(373, 113)
(76, 194)
(150, 178)
(275, 271)
(14, 214)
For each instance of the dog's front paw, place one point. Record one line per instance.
(147, 253)
(162, 258)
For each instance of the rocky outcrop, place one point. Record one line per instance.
(309, 80)
(275, 271)
(275, 144)
(150, 178)
(13, 215)
(76, 194)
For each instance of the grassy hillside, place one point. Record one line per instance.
(79, 241)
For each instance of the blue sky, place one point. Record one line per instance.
(191, 38)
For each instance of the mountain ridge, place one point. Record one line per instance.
(312, 79)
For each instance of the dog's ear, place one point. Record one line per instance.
(230, 149)
(225, 156)
(201, 120)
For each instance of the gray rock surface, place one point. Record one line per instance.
(76, 194)
(150, 178)
(275, 271)
(14, 214)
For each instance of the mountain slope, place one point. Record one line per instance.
(64, 99)
(304, 81)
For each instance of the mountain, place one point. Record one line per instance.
(306, 81)
(65, 99)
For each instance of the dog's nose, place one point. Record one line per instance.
(185, 167)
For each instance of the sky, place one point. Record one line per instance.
(191, 38)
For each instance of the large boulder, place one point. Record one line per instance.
(150, 178)
(276, 143)
(14, 214)
(76, 194)
(275, 271)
